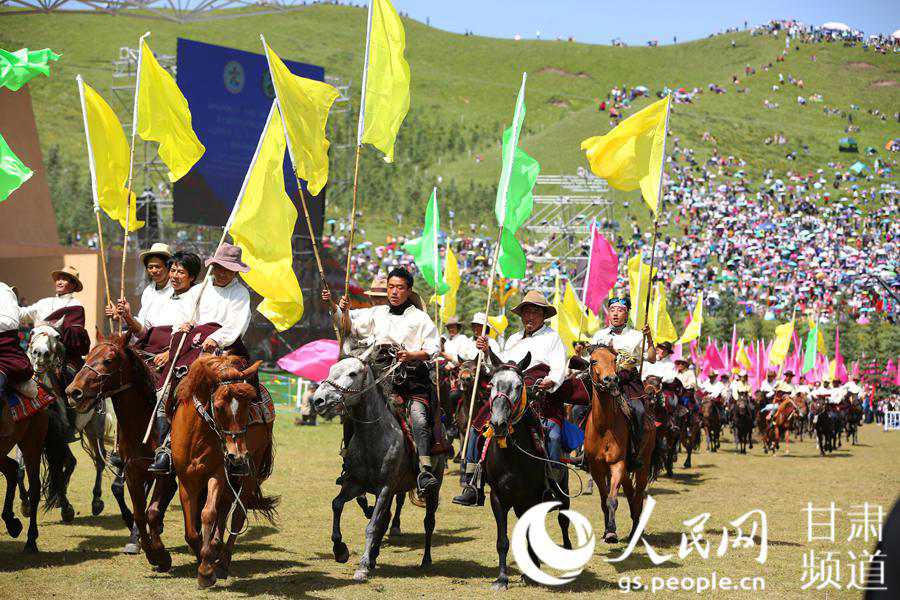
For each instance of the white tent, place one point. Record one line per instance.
(835, 26)
(896, 35)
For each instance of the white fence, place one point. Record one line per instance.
(892, 420)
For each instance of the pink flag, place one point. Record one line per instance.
(854, 369)
(897, 374)
(840, 369)
(677, 352)
(712, 358)
(732, 354)
(889, 374)
(602, 269)
(312, 360)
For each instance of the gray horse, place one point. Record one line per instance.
(378, 461)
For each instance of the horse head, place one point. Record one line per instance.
(507, 391)
(604, 367)
(105, 368)
(45, 349)
(342, 389)
(466, 374)
(653, 386)
(230, 397)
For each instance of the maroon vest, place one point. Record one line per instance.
(13, 360)
(72, 333)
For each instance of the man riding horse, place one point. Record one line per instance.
(403, 325)
(626, 340)
(15, 368)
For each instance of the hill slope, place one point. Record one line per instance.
(464, 89)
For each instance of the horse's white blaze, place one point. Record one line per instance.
(234, 407)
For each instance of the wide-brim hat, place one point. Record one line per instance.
(454, 320)
(228, 257)
(535, 298)
(157, 249)
(378, 287)
(71, 273)
(667, 346)
(683, 359)
(480, 318)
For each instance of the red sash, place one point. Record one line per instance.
(72, 333)
(13, 360)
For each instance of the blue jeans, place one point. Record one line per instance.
(553, 438)
(472, 454)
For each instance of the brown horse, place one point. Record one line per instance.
(221, 459)
(606, 441)
(712, 423)
(114, 370)
(782, 421)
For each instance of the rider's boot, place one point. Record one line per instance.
(469, 494)
(426, 479)
(162, 462)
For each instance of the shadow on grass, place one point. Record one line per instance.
(294, 585)
(13, 559)
(416, 539)
(109, 522)
(688, 478)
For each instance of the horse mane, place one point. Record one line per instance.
(140, 371)
(201, 376)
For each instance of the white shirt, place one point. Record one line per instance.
(9, 309)
(768, 388)
(629, 340)
(852, 388)
(835, 395)
(688, 379)
(413, 330)
(737, 387)
(713, 390)
(662, 368)
(156, 309)
(460, 347)
(545, 347)
(228, 306)
(40, 310)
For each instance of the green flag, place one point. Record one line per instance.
(812, 347)
(425, 248)
(514, 193)
(13, 172)
(19, 67)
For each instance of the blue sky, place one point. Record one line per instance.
(599, 22)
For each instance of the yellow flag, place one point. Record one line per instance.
(263, 227)
(451, 276)
(820, 341)
(638, 284)
(783, 335)
(108, 153)
(498, 324)
(661, 325)
(631, 155)
(692, 331)
(742, 357)
(163, 116)
(304, 104)
(386, 80)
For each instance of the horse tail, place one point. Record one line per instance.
(58, 462)
(265, 506)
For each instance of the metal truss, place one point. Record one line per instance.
(180, 11)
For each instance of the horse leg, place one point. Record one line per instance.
(10, 469)
(23, 492)
(617, 475)
(189, 496)
(223, 566)
(209, 519)
(562, 519)
(601, 478)
(348, 490)
(363, 502)
(431, 505)
(31, 452)
(374, 533)
(97, 504)
(66, 510)
(136, 489)
(118, 491)
(501, 513)
(395, 522)
(787, 440)
(162, 494)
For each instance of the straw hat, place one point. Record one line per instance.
(480, 318)
(454, 320)
(378, 287)
(535, 298)
(157, 249)
(70, 273)
(228, 257)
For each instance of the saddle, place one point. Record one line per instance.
(27, 399)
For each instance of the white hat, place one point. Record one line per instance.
(480, 318)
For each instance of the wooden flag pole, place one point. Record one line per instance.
(134, 116)
(352, 231)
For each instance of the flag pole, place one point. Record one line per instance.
(437, 315)
(659, 202)
(134, 118)
(173, 359)
(96, 202)
(359, 133)
(503, 192)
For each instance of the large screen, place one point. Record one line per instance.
(229, 93)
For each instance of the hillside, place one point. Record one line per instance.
(464, 89)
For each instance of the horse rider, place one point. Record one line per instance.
(767, 387)
(626, 340)
(783, 390)
(716, 391)
(470, 496)
(15, 368)
(401, 323)
(154, 306)
(852, 388)
(688, 379)
(457, 347)
(67, 310)
(835, 392)
(740, 386)
(220, 320)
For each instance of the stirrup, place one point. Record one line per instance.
(425, 480)
(159, 469)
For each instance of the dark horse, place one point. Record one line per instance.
(823, 423)
(711, 423)
(742, 423)
(378, 459)
(517, 480)
(690, 425)
(114, 370)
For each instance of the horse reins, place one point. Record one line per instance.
(352, 393)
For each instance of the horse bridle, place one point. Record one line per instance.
(352, 393)
(102, 378)
(209, 418)
(514, 418)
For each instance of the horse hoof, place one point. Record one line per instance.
(395, 532)
(13, 527)
(67, 513)
(361, 575)
(341, 552)
(97, 507)
(426, 562)
(165, 563)
(131, 548)
(610, 537)
(221, 572)
(206, 582)
(30, 547)
(500, 585)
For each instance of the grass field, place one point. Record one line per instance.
(83, 560)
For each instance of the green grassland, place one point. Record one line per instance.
(83, 560)
(464, 87)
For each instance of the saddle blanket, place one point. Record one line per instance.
(263, 410)
(22, 406)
